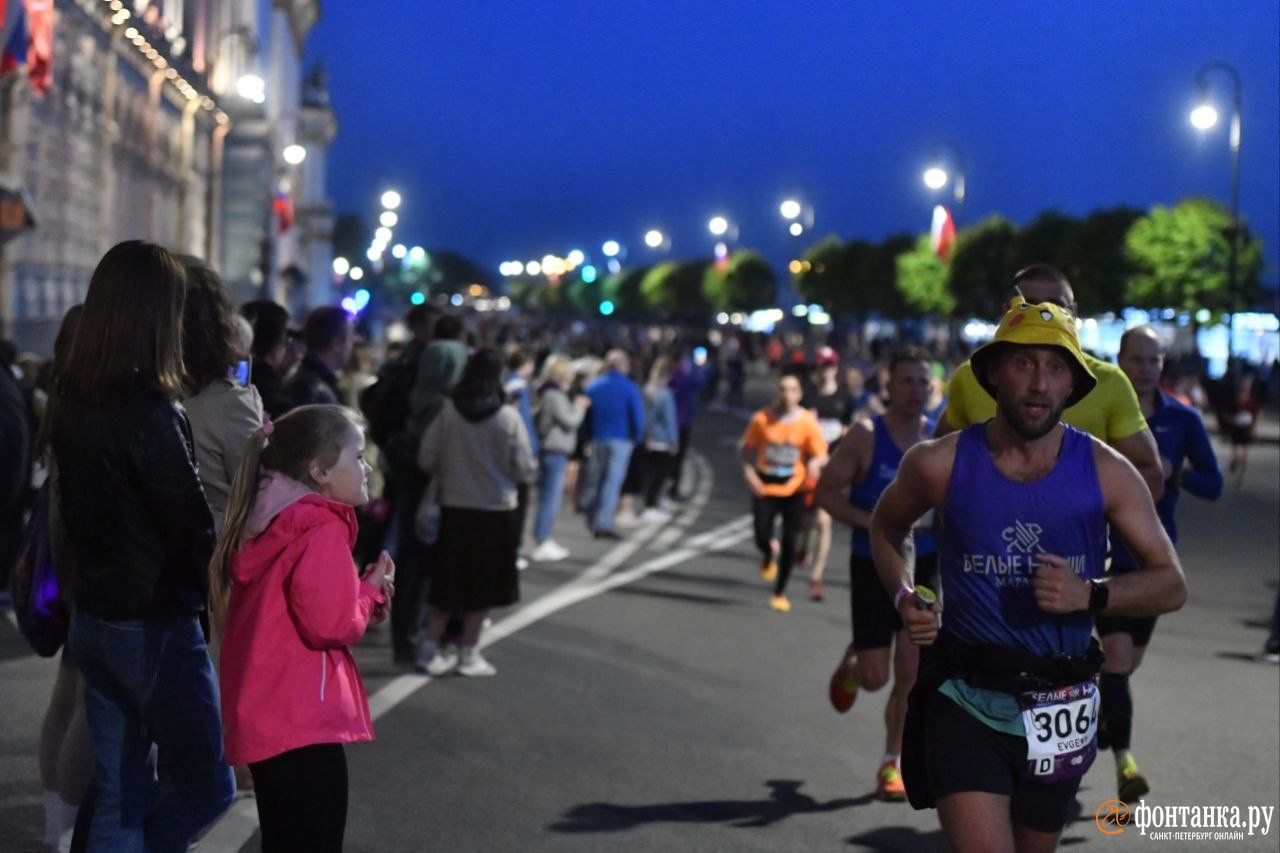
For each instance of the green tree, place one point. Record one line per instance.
(746, 283)
(982, 268)
(623, 290)
(823, 273)
(1104, 267)
(875, 274)
(922, 279)
(675, 288)
(1180, 257)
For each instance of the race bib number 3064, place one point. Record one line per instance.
(1062, 728)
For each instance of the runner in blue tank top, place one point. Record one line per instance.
(861, 468)
(1189, 464)
(1002, 722)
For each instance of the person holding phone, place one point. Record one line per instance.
(290, 603)
(223, 409)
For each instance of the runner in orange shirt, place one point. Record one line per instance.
(782, 447)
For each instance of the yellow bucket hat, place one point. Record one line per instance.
(1042, 325)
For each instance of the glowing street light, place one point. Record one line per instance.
(398, 251)
(790, 209)
(947, 170)
(576, 258)
(357, 273)
(795, 229)
(390, 200)
(341, 266)
(533, 268)
(252, 87)
(611, 248)
(373, 254)
(383, 235)
(1204, 117)
(654, 239)
(294, 154)
(417, 253)
(388, 219)
(718, 226)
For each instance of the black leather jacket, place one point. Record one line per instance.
(313, 382)
(132, 504)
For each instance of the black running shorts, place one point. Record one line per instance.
(875, 619)
(1138, 627)
(964, 755)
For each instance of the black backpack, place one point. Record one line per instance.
(385, 403)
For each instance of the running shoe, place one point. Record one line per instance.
(843, 687)
(816, 592)
(768, 568)
(889, 785)
(780, 604)
(473, 665)
(654, 515)
(1271, 652)
(1131, 785)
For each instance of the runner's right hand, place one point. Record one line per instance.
(921, 625)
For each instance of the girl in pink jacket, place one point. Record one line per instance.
(283, 578)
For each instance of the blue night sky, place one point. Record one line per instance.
(514, 129)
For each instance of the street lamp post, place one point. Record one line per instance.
(1204, 117)
(937, 175)
(798, 216)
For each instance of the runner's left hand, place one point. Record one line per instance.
(1058, 588)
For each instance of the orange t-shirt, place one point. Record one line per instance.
(783, 448)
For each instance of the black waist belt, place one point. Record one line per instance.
(773, 479)
(1008, 669)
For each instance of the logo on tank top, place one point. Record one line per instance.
(1022, 537)
(1017, 565)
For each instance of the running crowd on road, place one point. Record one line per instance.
(207, 507)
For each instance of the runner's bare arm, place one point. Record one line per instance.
(921, 485)
(1159, 585)
(1140, 449)
(748, 450)
(846, 467)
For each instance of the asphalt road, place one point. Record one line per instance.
(648, 699)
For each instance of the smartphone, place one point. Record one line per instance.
(240, 372)
(700, 356)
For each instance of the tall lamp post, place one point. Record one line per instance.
(937, 175)
(798, 217)
(1203, 117)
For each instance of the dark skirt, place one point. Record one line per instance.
(474, 565)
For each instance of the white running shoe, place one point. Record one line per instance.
(549, 551)
(653, 515)
(473, 665)
(627, 520)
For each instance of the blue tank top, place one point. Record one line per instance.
(885, 459)
(994, 530)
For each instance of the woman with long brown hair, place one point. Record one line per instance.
(134, 510)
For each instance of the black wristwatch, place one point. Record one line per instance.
(1099, 596)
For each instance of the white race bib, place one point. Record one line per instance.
(1062, 729)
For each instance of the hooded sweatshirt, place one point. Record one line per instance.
(478, 451)
(297, 603)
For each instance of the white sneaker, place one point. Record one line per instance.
(549, 552)
(473, 665)
(433, 661)
(653, 515)
(522, 563)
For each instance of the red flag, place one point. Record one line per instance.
(283, 207)
(943, 232)
(40, 45)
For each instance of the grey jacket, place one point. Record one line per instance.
(558, 420)
(477, 465)
(223, 416)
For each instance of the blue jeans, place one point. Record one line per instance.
(608, 470)
(550, 493)
(152, 706)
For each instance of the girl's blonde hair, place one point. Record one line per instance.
(306, 435)
(558, 369)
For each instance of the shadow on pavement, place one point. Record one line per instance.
(900, 838)
(784, 801)
(1247, 657)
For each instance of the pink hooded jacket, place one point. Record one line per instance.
(288, 678)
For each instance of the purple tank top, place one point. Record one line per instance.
(994, 530)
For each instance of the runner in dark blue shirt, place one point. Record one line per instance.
(1189, 463)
